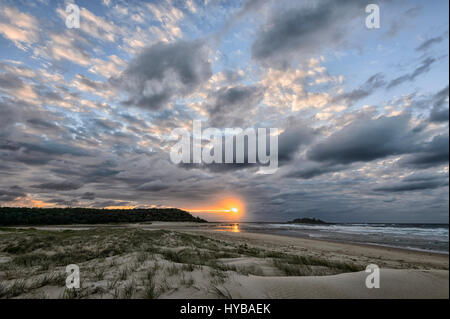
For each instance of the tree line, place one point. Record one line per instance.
(10, 216)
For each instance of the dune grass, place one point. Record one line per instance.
(137, 263)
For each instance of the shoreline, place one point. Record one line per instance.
(392, 256)
(195, 228)
(334, 240)
(340, 237)
(205, 227)
(191, 261)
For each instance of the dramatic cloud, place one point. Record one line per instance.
(229, 104)
(59, 186)
(9, 115)
(439, 112)
(432, 154)
(292, 139)
(308, 170)
(366, 140)
(416, 183)
(305, 30)
(86, 114)
(163, 71)
(10, 195)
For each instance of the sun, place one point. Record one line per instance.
(226, 209)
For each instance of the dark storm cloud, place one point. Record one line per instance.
(423, 177)
(416, 182)
(424, 67)
(432, 154)
(230, 105)
(54, 148)
(165, 70)
(59, 186)
(154, 186)
(9, 115)
(232, 97)
(439, 115)
(10, 195)
(366, 140)
(292, 139)
(42, 124)
(40, 152)
(311, 170)
(88, 196)
(406, 187)
(103, 171)
(439, 112)
(13, 112)
(441, 97)
(304, 30)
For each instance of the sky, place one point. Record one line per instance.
(86, 113)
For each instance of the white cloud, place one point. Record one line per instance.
(107, 68)
(19, 27)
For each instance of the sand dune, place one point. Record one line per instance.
(394, 283)
(172, 261)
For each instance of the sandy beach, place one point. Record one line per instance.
(191, 260)
(404, 273)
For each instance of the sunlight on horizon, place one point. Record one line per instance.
(229, 209)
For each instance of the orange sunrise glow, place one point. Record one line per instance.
(228, 209)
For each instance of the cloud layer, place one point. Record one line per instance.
(86, 114)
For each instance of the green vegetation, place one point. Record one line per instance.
(129, 290)
(138, 263)
(62, 216)
(150, 291)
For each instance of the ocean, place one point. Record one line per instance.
(423, 237)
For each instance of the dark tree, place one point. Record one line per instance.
(60, 216)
